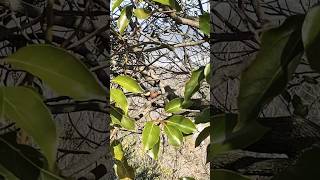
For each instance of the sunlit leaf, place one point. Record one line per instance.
(267, 76)
(120, 99)
(128, 83)
(128, 122)
(204, 23)
(174, 135)
(154, 152)
(204, 134)
(221, 174)
(207, 71)
(184, 124)
(124, 19)
(174, 105)
(124, 171)
(186, 178)
(119, 118)
(115, 4)
(117, 150)
(193, 85)
(311, 37)
(142, 13)
(62, 71)
(26, 108)
(150, 135)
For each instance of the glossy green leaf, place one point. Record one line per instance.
(306, 166)
(204, 134)
(203, 117)
(172, 3)
(150, 135)
(224, 138)
(204, 23)
(116, 4)
(26, 108)
(154, 152)
(119, 118)
(120, 99)
(221, 174)
(124, 19)
(128, 83)
(142, 13)
(117, 150)
(184, 124)
(62, 71)
(124, 171)
(311, 37)
(193, 85)
(174, 135)
(267, 76)
(174, 105)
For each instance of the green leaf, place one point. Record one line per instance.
(142, 13)
(306, 167)
(203, 135)
(186, 178)
(150, 135)
(221, 174)
(23, 161)
(25, 107)
(115, 4)
(154, 152)
(207, 72)
(311, 37)
(118, 117)
(174, 135)
(128, 83)
(193, 85)
(124, 19)
(204, 23)
(117, 150)
(7, 174)
(185, 125)
(226, 139)
(203, 117)
(124, 171)
(267, 76)
(62, 71)
(174, 105)
(172, 3)
(120, 99)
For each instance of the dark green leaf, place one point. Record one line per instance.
(225, 138)
(175, 136)
(124, 171)
(203, 135)
(267, 76)
(150, 135)
(221, 174)
(306, 167)
(62, 71)
(193, 85)
(204, 116)
(120, 99)
(311, 37)
(25, 107)
(204, 23)
(128, 83)
(184, 124)
(172, 3)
